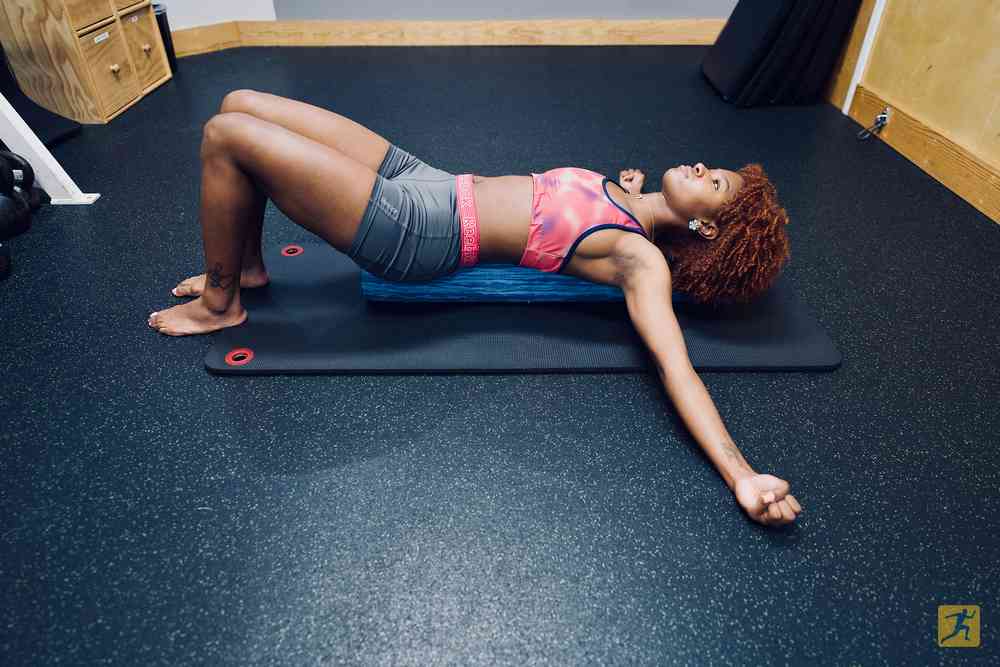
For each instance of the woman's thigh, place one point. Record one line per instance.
(321, 125)
(402, 167)
(316, 186)
(336, 131)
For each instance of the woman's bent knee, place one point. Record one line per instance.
(220, 130)
(238, 100)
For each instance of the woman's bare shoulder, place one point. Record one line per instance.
(619, 258)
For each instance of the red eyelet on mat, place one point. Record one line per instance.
(292, 250)
(241, 356)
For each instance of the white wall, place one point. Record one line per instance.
(190, 13)
(508, 10)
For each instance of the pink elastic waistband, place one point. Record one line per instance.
(470, 220)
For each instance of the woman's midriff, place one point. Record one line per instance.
(503, 204)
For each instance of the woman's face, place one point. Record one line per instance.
(699, 192)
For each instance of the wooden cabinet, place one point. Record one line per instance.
(142, 36)
(88, 60)
(82, 13)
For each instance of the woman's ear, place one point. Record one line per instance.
(708, 229)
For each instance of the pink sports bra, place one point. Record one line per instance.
(568, 205)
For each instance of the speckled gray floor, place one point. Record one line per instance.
(155, 514)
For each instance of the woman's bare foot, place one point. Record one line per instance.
(194, 317)
(195, 285)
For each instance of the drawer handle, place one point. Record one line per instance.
(115, 69)
(146, 48)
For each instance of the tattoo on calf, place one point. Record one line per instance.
(216, 278)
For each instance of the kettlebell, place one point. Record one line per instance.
(6, 178)
(37, 197)
(15, 215)
(21, 173)
(16, 172)
(6, 261)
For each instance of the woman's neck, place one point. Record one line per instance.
(657, 216)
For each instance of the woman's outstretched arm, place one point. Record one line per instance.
(765, 498)
(645, 280)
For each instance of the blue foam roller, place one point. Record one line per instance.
(489, 283)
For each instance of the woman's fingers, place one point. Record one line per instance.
(778, 513)
(778, 489)
(767, 517)
(794, 503)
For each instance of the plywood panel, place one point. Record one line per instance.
(83, 13)
(42, 52)
(205, 39)
(475, 33)
(954, 166)
(142, 37)
(940, 62)
(843, 71)
(586, 32)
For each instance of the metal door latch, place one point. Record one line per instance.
(881, 121)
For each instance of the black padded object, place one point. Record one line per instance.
(778, 51)
(312, 318)
(742, 44)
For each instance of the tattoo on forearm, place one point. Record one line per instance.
(216, 278)
(733, 454)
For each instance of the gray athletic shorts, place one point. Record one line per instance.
(411, 230)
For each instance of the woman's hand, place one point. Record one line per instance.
(632, 180)
(766, 499)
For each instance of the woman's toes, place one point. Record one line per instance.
(187, 287)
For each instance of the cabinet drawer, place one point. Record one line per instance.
(106, 55)
(142, 35)
(86, 12)
(122, 5)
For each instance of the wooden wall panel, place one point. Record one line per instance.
(843, 71)
(205, 39)
(563, 32)
(951, 164)
(940, 62)
(581, 32)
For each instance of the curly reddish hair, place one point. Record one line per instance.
(744, 260)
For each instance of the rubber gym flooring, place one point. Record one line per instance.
(155, 514)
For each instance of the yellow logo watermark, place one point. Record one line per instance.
(958, 625)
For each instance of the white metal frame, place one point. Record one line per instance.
(49, 174)
(866, 50)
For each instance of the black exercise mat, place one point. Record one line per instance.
(312, 318)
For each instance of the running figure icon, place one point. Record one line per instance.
(960, 626)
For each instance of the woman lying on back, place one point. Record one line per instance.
(713, 234)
